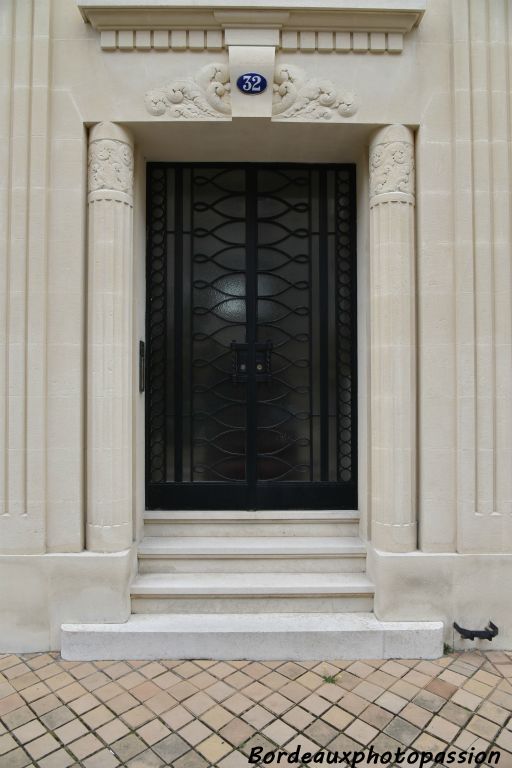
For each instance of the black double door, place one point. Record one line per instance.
(251, 345)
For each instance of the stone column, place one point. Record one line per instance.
(109, 340)
(393, 331)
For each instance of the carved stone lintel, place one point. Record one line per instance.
(392, 162)
(110, 165)
(209, 96)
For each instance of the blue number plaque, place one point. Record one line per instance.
(251, 83)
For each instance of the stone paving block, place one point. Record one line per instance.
(170, 748)
(429, 701)
(177, 717)
(290, 669)
(214, 748)
(195, 732)
(493, 712)
(237, 732)
(483, 727)
(137, 716)
(402, 731)
(59, 759)
(238, 703)
(258, 741)
(386, 743)
(191, 760)
(42, 746)
(7, 743)
(298, 717)
(391, 702)
(315, 704)
(18, 717)
(361, 732)
(153, 732)
(85, 746)
(97, 716)
(353, 704)
(128, 747)
(112, 731)
(279, 732)
(376, 716)
(466, 699)
(441, 688)
(454, 713)
(443, 729)
(15, 759)
(146, 759)
(320, 732)
(103, 759)
(217, 716)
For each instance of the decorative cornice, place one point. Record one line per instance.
(307, 41)
(110, 167)
(392, 165)
(377, 26)
(209, 96)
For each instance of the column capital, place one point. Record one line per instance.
(110, 166)
(392, 165)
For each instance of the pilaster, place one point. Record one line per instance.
(109, 345)
(24, 137)
(393, 345)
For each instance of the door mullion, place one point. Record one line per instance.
(251, 328)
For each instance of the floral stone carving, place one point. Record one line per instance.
(209, 96)
(392, 167)
(311, 99)
(110, 166)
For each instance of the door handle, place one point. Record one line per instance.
(240, 361)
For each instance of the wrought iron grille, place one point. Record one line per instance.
(251, 329)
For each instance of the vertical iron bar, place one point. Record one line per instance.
(311, 175)
(251, 235)
(324, 328)
(178, 328)
(351, 170)
(190, 318)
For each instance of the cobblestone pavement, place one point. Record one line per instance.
(193, 714)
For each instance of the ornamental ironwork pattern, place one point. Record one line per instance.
(156, 326)
(251, 337)
(283, 317)
(345, 323)
(218, 300)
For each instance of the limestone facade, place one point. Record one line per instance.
(417, 94)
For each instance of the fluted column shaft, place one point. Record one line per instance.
(109, 344)
(393, 332)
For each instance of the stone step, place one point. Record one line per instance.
(222, 554)
(251, 593)
(293, 636)
(331, 522)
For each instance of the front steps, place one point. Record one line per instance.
(294, 636)
(253, 554)
(331, 522)
(251, 593)
(256, 585)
